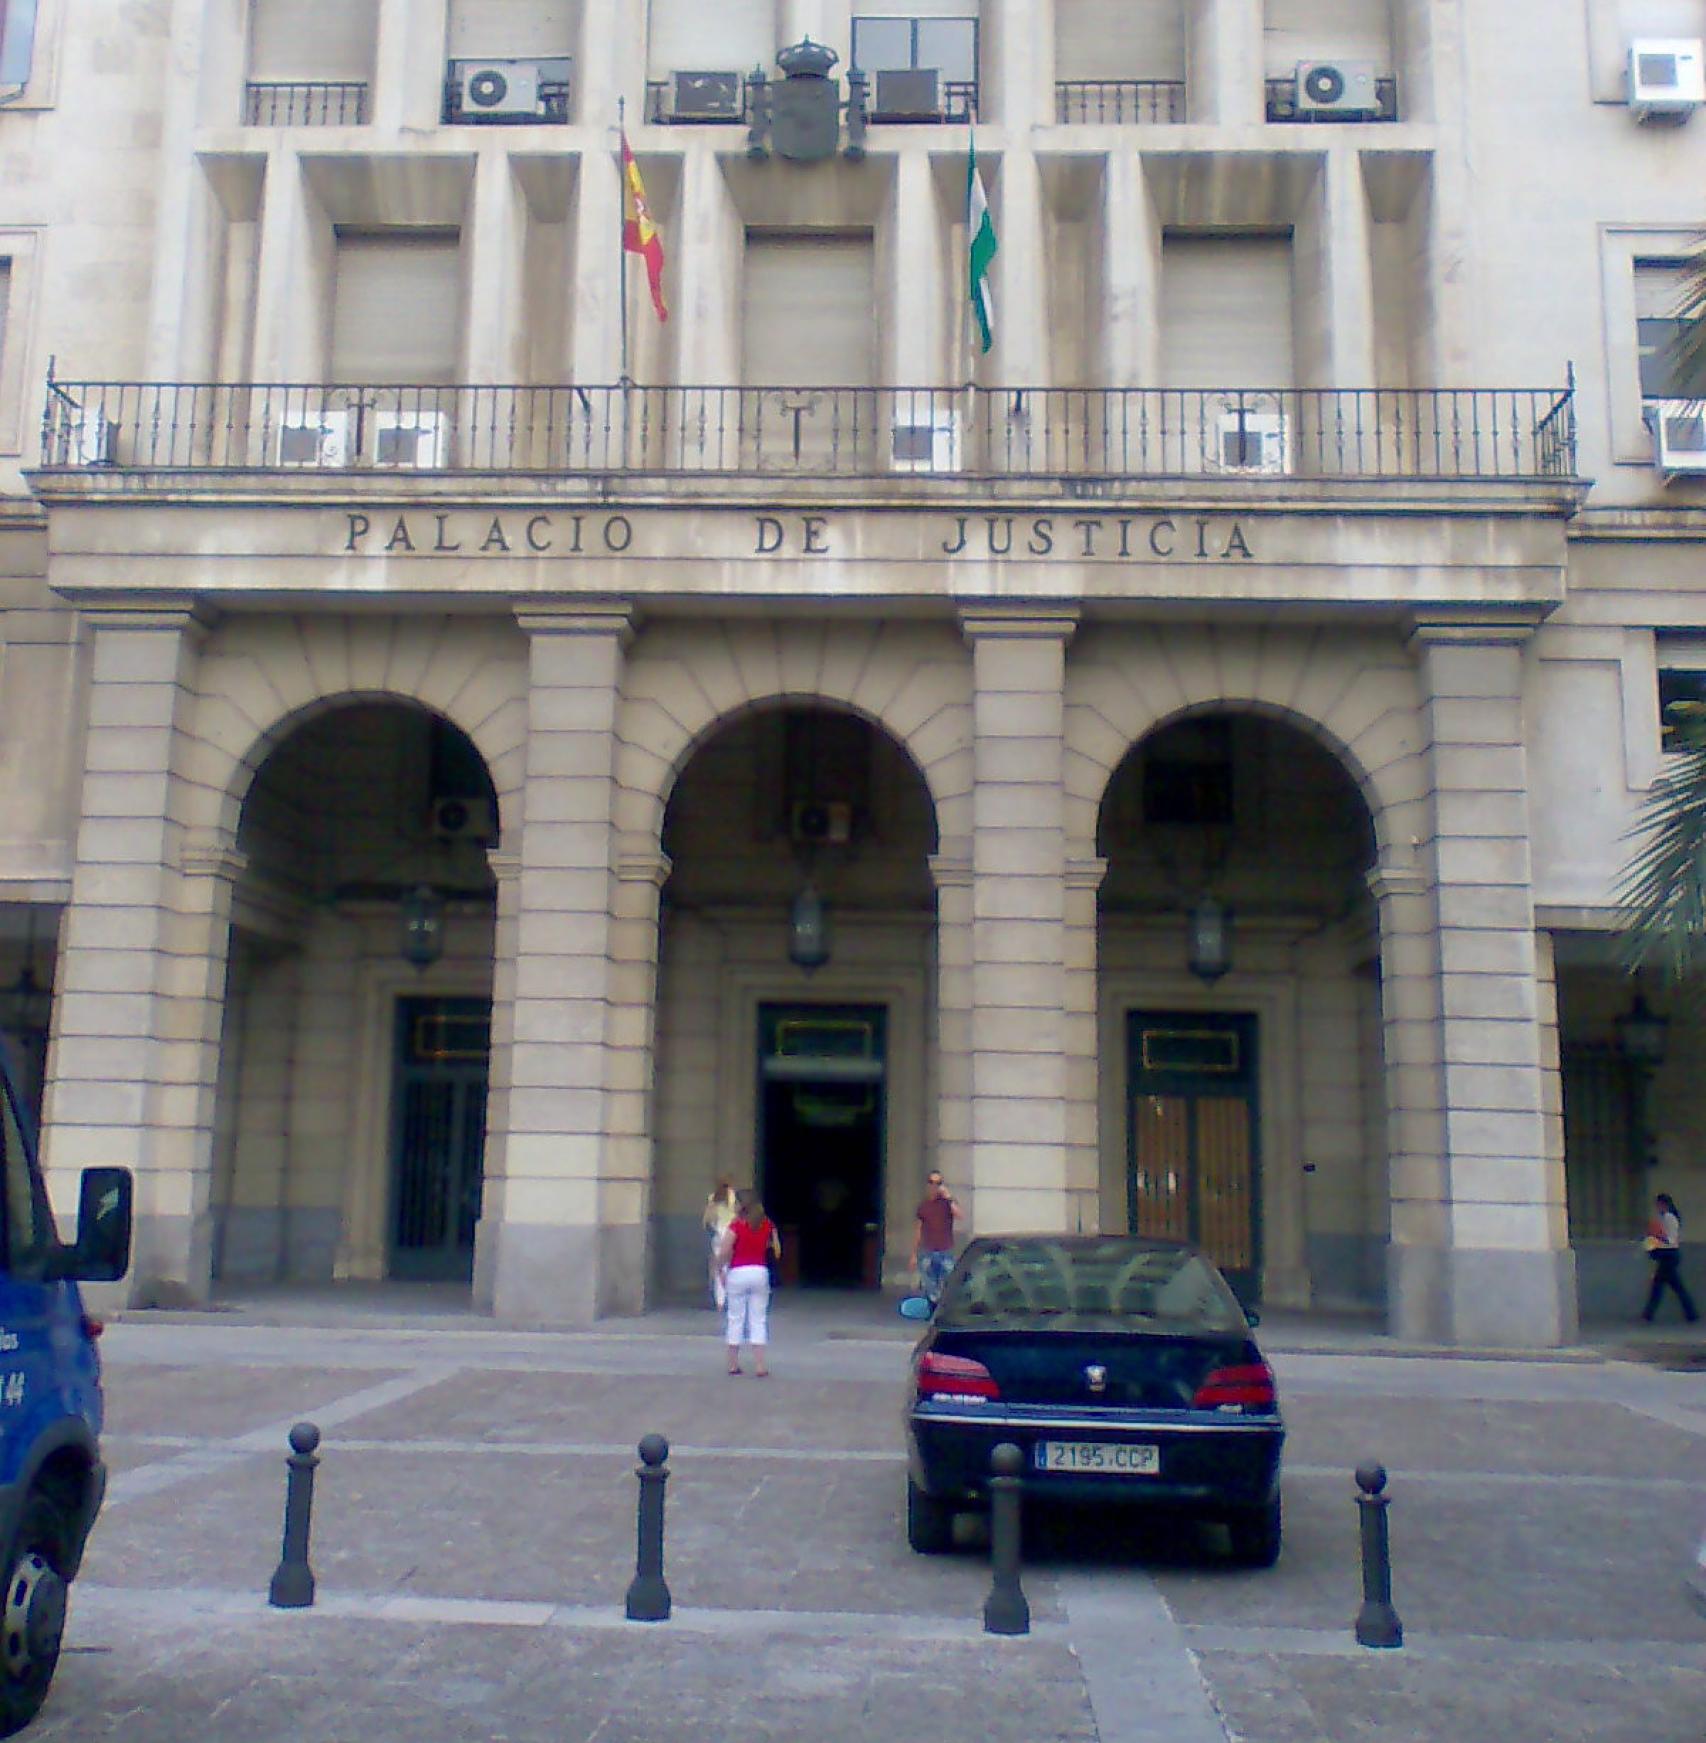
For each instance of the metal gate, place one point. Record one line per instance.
(438, 1135)
(1192, 1149)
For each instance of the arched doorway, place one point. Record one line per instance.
(350, 1125)
(1238, 952)
(812, 1080)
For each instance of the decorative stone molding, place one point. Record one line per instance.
(639, 865)
(1056, 622)
(1395, 880)
(205, 856)
(504, 864)
(1086, 873)
(579, 617)
(1462, 630)
(950, 871)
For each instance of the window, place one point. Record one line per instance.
(1678, 685)
(1226, 311)
(312, 41)
(397, 307)
(940, 53)
(29, 1222)
(1658, 291)
(17, 42)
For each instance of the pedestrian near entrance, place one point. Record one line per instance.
(933, 1240)
(747, 1244)
(720, 1210)
(1664, 1248)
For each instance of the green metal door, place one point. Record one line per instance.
(438, 1135)
(1192, 1153)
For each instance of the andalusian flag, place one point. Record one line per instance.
(639, 234)
(980, 247)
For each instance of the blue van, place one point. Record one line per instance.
(51, 1475)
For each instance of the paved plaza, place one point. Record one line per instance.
(474, 1536)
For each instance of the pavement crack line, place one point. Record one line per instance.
(215, 1455)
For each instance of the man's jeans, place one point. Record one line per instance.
(933, 1269)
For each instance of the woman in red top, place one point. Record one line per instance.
(748, 1242)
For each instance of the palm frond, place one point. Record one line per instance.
(1662, 888)
(1688, 350)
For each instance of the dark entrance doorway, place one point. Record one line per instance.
(438, 1136)
(1191, 1162)
(820, 1139)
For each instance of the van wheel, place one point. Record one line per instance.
(1255, 1535)
(33, 1618)
(929, 1522)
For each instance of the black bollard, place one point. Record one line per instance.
(648, 1596)
(1005, 1610)
(292, 1585)
(1377, 1621)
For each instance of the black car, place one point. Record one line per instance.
(1124, 1371)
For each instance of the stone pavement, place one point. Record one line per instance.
(474, 1535)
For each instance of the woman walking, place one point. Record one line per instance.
(747, 1243)
(1664, 1248)
(720, 1210)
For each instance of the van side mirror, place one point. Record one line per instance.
(104, 1210)
(916, 1307)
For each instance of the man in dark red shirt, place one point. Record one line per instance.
(933, 1240)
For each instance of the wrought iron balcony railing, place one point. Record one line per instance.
(305, 103)
(1041, 433)
(1282, 104)
(1119, 102)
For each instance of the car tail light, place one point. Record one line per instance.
(92, 1327)
(1249, 1385)
(942, 1376)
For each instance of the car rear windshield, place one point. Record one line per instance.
(1110, 1285)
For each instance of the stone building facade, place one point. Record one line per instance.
(1298, 557)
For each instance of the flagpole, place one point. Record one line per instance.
(622, 228)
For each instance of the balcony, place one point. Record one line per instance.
(1069, 435)
(305, 103)
(698, 99)
(1119, 102)
(1282, 104)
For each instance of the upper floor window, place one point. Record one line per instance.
(1659, 324)
(509, 61)
(1682, 681)
(1116, 63)
(397, 305)
(310, 62)
(17, 42)
(921, 69)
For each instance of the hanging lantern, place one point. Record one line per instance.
(423, 926)
(1642, 1034)
(26, 1007)
(1210, 943)
(808, 931)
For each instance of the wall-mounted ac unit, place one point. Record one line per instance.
(822, 820)
(926, 443)
(498, 90)
(1679, 435)
(907, 94)
(315, 441)
(1343, 90)
(91, 439)
(463, 819)
(417, 440)
(1249, 441)
(1667, 78)
(706, 97)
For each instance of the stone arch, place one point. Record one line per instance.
(258, 685)
(1357, 698)
(685, 682)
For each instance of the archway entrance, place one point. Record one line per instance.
(812, 1080)
(1238, 954)
(350, 1124)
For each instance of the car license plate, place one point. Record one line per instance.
(1124, 1459)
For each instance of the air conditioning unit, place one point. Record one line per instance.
(419, 441)
(497, 90)
(706, 97)
(1667, 78)
(927, 444)
(463, 819)
(1249, 441)
(317, 441)
(1679, 435)
(91, 439)
(824, 821)
(1343, 90)
(907, 94)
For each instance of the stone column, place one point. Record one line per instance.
(1019, 1077)
(141, 988)
(1225, 62)
(553, 1251)
(1479, 1253)
(1130, 338)
(1081, 1037)
(951, 870)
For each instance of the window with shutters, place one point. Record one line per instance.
(301, 41)
(922, 66)
(689, 36)
(510, 61)
(1326, 30)
(1659, 327)
(1118, 63)
(397, 306)
(1226, 312)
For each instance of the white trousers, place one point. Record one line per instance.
(748, 1307)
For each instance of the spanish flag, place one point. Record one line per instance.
(639, 234)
